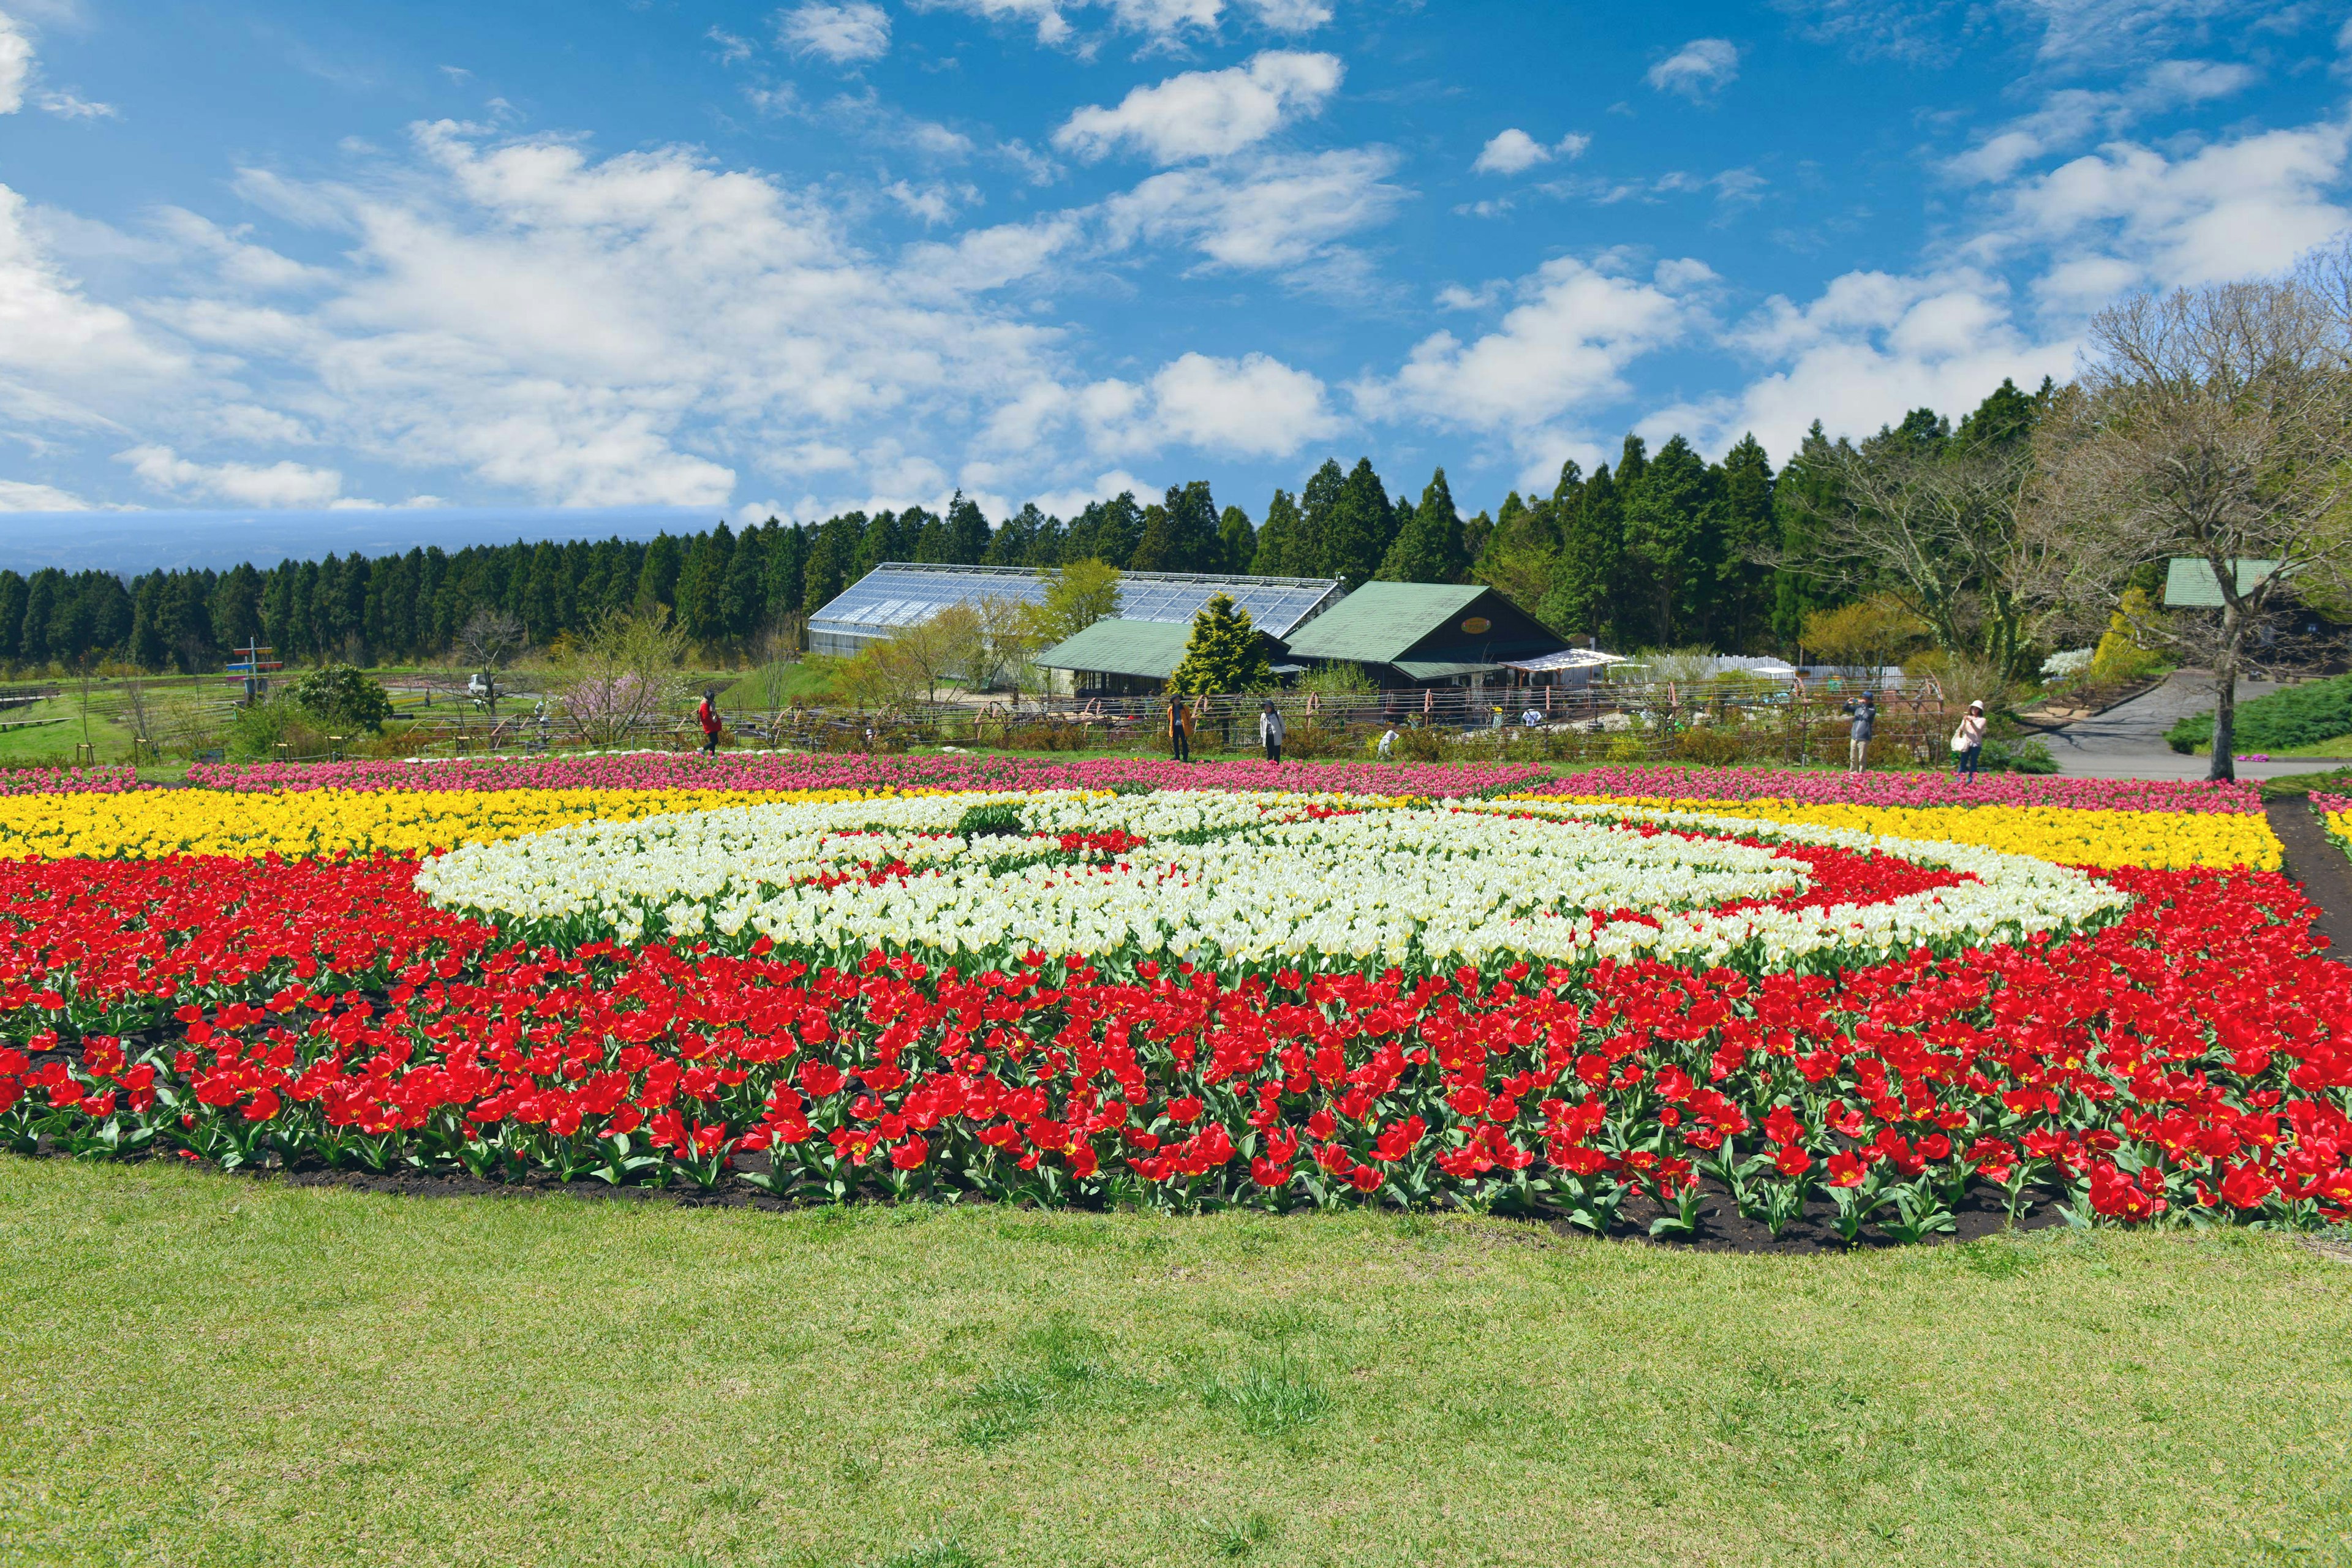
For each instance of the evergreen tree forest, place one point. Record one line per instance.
(1661, 549)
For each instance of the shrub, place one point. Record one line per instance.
(2299, 716)
(344, 699)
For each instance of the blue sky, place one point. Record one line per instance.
(753, 259)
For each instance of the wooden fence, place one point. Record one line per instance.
(1724, 722)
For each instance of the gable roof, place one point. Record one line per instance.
(1152, 649)
(2190, 583)
(1380, 621)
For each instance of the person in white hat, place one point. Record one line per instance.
(1968, 741)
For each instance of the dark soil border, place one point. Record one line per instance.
(2324, 872)
(1721, 1226)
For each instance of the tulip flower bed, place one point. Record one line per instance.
(1194, 1002)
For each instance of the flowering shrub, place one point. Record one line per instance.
(792, 773)
(2183, 1059)
(63, 781)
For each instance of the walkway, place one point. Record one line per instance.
(2126, 742)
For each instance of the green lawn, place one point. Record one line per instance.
(207, 1370)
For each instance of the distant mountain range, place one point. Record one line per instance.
(134, 542)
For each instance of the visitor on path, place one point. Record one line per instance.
(706, 715)
(1865, 715)
(1388, 744)
(1968, 741)
(1270, 731)
(1180, 729)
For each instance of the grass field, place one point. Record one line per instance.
(204, 1369)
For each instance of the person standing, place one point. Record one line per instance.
(1968, 741)
(1270, 731)
(1865, 716)
(1387, 743)
(1180, 729)
(706, 715)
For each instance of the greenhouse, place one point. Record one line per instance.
(900, 594)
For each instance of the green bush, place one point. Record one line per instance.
(2027, 756)
(2298, 716)
(344, 699)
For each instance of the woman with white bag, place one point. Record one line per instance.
(1968, 741)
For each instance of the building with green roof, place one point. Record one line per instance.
(1425, 634)
(2190, 583)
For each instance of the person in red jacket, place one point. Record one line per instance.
(708, 717)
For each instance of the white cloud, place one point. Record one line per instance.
(2226, 210)
(1514, 152)
(1697, 68)
(16, 65)
(1164, 22)
(1562, 351)
(1069, 502)
(844, 34)
(1254, 407)
(63, 357)
(1052, 27)
(1291, 16)
(984, 259)
(1277, 212)
(935, 203)
(18, 495)
(66, 106)
(2071, 116)
(246, 484)
(732, 49)
(1869, 346)
(1206, 114)
(534, 321)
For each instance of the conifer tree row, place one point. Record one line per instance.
(1661, 549)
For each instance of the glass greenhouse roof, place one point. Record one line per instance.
(899, 594)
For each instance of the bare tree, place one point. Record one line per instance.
(489, 640)
(1941, 528)
(2214, 423)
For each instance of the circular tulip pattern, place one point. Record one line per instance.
(1240, 881)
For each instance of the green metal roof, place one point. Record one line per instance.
(1379, 621)
(2190, 583)
(1436, 670)
(1152, 649)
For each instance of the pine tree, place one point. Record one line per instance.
(787, 574)
(2006, 415)
(1665, 523)
(967, 533)
(1804, 495)
(1364, 527)
(1236, 541)
(1428, 547)
(1582, 600)
(1225, 654)
(1015, 538)
(1181, 534)
(656, 580)
(1741, 615)
(1277, 541)
(1309, 550)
